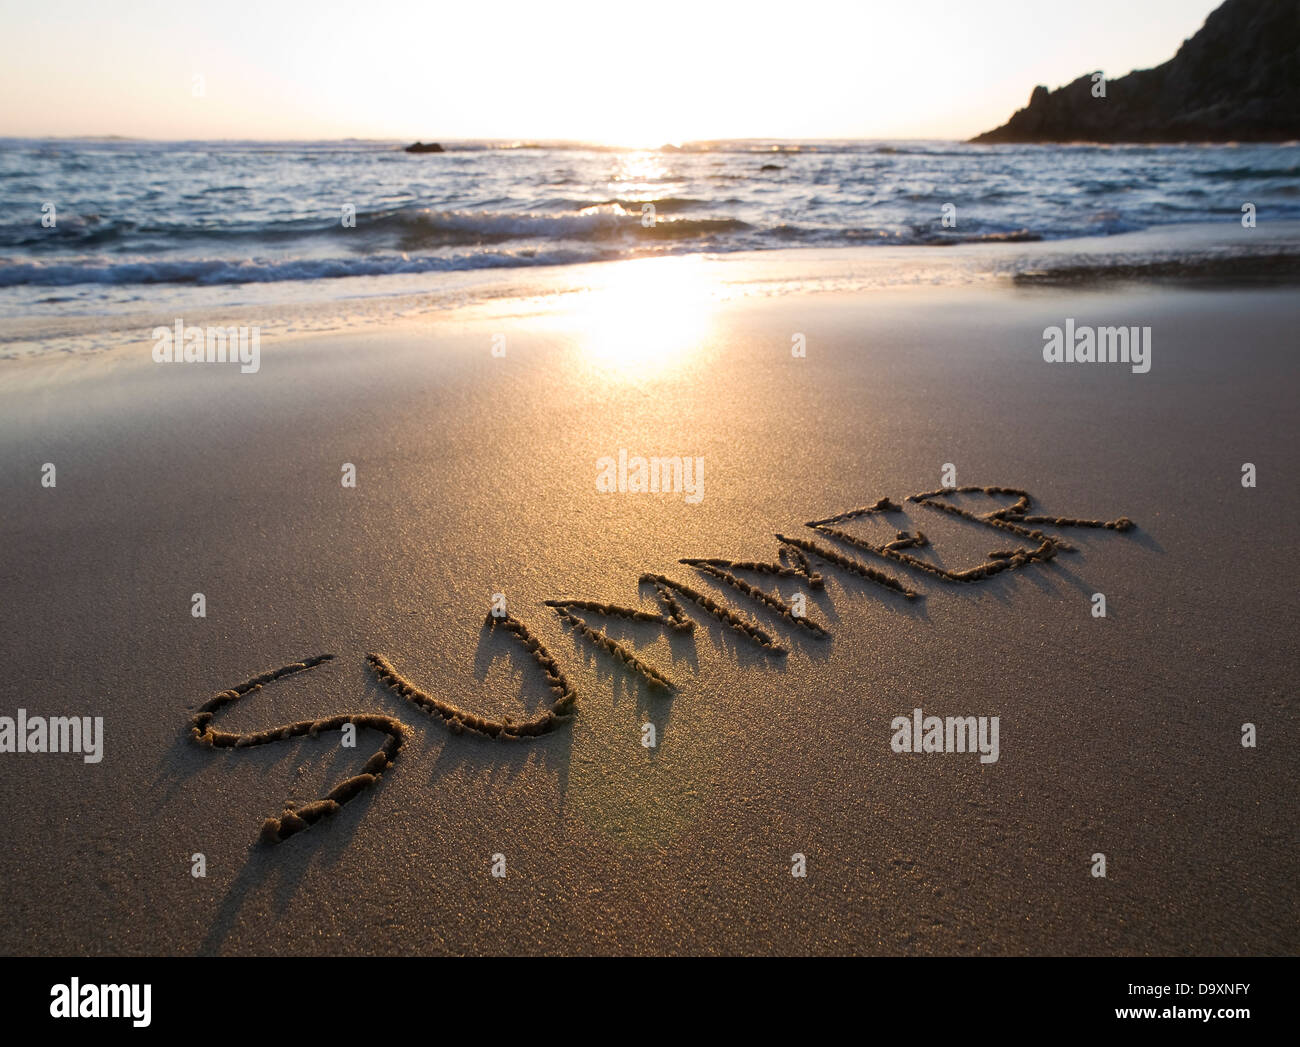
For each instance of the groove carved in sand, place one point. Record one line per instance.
(665, 588)
(459, 719)
(601, 639)
(795, 558)
(852, 566)
(293, 819)
(1011, 518)
(723, 570)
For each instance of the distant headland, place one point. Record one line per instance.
(1236, 80)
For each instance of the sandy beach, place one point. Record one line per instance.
(475, 435)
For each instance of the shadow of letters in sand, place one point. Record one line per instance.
(794, 560)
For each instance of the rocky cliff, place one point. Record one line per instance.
(1238, 79)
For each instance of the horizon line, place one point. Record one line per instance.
(507, 138)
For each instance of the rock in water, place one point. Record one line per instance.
(1236, 80)
(421, 147)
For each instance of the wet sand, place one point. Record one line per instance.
(476, 474)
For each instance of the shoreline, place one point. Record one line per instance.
(1195, 254)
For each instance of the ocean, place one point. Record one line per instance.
(92, 227)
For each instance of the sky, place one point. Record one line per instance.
(637, 75)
